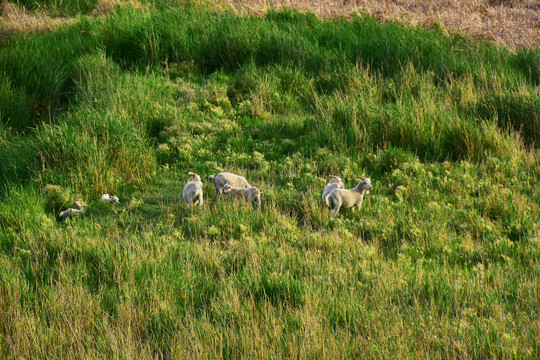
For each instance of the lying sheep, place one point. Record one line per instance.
(110, 199)
(334, 183)
(71, 212)
(76, 210)
(193, 193)
(79, 205)
(250, 194)
(223, 178)
(348, 198)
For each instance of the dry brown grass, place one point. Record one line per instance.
(106, 6)
(512, 23)
(14, 19)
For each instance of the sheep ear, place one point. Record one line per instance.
(361, 177)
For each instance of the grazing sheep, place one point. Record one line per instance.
(334, 183)
(193, 193)
(223, 178)
(110, 199)
(348, 198)
(250, 194)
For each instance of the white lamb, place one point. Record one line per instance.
(71, 212)
(76, 210)
(223, 178)
(348, 198)
(250, 194)
(334, 183)
(193, 193)
(110, 199)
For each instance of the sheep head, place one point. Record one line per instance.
(334, 179)
(79, 205)
(364, 184)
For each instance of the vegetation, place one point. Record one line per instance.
(441, 261)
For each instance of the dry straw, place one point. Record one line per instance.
(17, 19)
(511, 23)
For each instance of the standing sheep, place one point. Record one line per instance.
(223, 178)
(193, 193)
(249, 194)
(348, 198)
(334, 183)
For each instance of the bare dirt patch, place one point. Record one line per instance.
(512, 23)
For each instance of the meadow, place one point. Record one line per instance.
(441, 261)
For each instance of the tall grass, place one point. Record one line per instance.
(440, 262)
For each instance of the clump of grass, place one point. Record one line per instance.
(56, 198)
(44, 81)
(15, 110)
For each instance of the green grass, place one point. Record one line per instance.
(445, 267)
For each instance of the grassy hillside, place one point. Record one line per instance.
(445, 265)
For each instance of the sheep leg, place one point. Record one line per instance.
(200, 200)
(333, 204)
(327, 201)
(218, 192)
(191, 202)
(336, 205)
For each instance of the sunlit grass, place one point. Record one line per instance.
(441, 261)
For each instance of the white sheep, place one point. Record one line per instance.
(348, 198)
(110, 199)
(250, 194)
(71, 212)
(76, 210)
(78, 204)
(223, 178)
(193, 193)
(334, 183)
